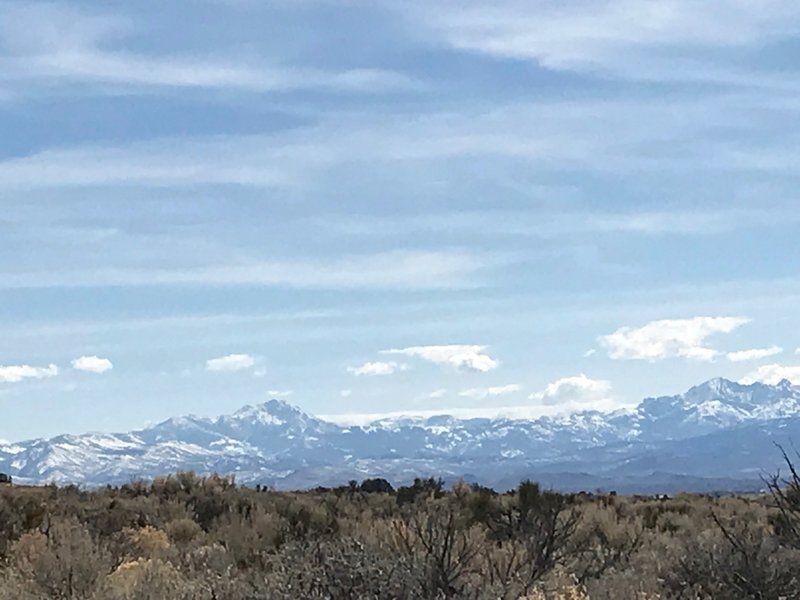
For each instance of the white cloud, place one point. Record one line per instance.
(377, 368)
(346, 393)
(481, 393)
(773, 374)
(92, 364)
(576, 390)
(16, 373)
(436, 394)
(232, 362)
(753, 354)
(669, 338)
(466, 357)
(280, 393)
(590, 352)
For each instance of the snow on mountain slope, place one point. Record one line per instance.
(716, 404)
(278, 444)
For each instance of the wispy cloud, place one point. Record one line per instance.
(387, 270)
(627, 38)
(377, 368)
(753, 354)
(555, 224)
(669, 338)
(466, 357)
(63, 45)
(490, 392)
(17, 373)
(560, 398)
(532, 132)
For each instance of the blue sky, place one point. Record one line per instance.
(370, 207)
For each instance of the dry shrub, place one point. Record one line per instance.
(433, 533)
(186, 537)
(61, 562)
(143, 579)
(146, 542)
(183, 532)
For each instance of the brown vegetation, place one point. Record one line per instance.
(185, 537)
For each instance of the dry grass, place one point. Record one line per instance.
(189, 538)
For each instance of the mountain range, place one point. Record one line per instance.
(718, 436)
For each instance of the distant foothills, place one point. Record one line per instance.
(718, 436)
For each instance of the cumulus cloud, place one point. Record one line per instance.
(669, 338)
(463, 357)
(231, 362)
(773, 374)
(16, 373)
(92, 364)
(753, 354)
(481, 393)
(578, 389)
(377, 368)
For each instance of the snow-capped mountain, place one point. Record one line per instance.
(713, 436)
(716, 404)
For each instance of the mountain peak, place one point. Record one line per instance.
(271, 412)
(257, 412)
(721, 388)
(717, 385)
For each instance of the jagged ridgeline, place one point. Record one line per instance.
(717, 436)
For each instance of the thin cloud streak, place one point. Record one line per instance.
(625, 39)
(494, 391)
(389, 270)
(459, 356)
(530, 132)
(753, 354)
(67, 46)
(376, 369)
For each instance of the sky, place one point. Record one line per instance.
(516, 207)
